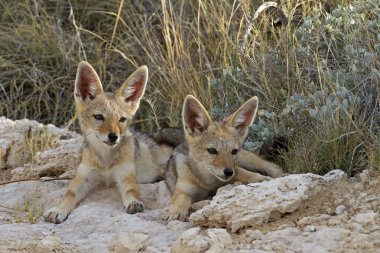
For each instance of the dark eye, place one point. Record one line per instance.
(212, 151)
(122, 119)
(234, 151)
(98, 117)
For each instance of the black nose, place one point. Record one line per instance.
(228, 172)
(112, 137)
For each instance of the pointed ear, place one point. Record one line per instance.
(133, 89)
(87, 82)
(195, 117)
(244, 116)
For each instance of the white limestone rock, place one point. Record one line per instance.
(62, 158)
(98, 224)
(18, 138)
(255, 204)
(128, 243)
(296, 213)
(196, 240)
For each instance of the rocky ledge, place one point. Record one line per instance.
(294, 213)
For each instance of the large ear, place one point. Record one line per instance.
(244, 116)
(133, 89)
(195, 117)
(87, 82)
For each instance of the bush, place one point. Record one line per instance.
(317, 78)
(326, 70)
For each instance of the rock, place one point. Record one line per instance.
(48, 244)
(335, 176)
(294, 240)
(340, 209)
(22, 140)
(178, 226)
(310, 228)
(156, 196)
(228, 187)
(13, 150)
(295, 213)
(365, 176)
(310, 220)
(254, 234)
(253, 205)
(197, 240)
(366, 218)
(128, 243)
(98, 224)
(53, 162)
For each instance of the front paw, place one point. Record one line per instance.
(261, 178)
(174, 214)
(134, 206)
(56, 215)
(275, 171)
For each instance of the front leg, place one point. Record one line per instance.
(181, 200)
(254, 163)
(179, 208)
(247, 177)
(129, 189)
(85, 180)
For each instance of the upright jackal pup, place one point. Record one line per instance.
(112, 152)
(212, 156)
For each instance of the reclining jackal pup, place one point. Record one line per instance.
(112, 152)
(212, 156)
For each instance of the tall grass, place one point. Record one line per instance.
(214, 50)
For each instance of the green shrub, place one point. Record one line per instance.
(328, 76)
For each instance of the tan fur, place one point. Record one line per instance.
(252, 162)
(212, 156)
(112, 152)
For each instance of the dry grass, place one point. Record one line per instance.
(29, 211)
(200, 48)
(39, 142)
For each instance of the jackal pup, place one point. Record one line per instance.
(212, 156)
(112, 152)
